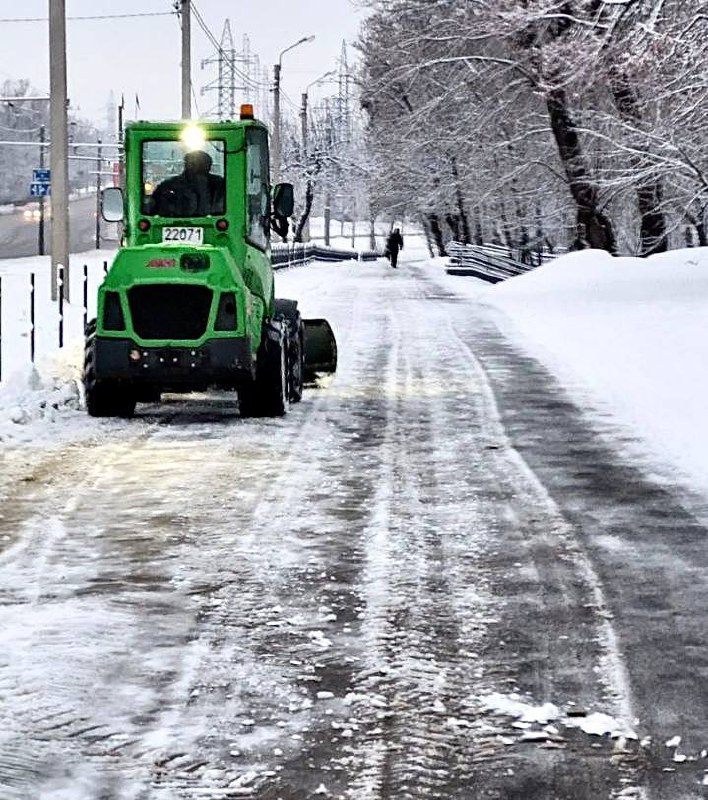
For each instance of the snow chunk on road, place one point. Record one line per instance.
(595, 724)
(513, 706)
(33, 401)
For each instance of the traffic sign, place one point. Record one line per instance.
(41, 176)
(40, 189)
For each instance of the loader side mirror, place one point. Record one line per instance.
(112, 204)
(283, 199)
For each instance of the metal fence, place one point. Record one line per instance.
(492, 263)
(295, 254)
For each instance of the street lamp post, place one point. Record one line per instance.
(276, 106)
(305, 233)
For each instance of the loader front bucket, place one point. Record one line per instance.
(320, 348)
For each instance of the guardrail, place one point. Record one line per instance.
(533, 257)
(293, 255)
(492, 263)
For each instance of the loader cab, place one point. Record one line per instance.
(184, 184)
(195, 184)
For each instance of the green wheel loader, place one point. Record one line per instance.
(188, 303)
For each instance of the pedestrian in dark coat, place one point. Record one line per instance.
(394, 243)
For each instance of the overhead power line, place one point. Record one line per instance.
(218, 47)
(97, 16)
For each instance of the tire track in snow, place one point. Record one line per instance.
(614, 670)
(429, 735)
(314, 629)
(410, 627)
(644, 539)
(267, 605)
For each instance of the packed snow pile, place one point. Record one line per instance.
(36, 401)
(625, 335)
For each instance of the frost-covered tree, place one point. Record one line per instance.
(540, 121)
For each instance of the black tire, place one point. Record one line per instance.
(287, 311)
(296, 364)
(268, 395)
(103, 398)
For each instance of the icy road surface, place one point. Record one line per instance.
(435, 578)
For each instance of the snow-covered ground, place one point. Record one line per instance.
(626, 337)
(383, 590)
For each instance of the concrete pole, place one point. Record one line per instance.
(186, 9)
(276, 153)
(59, 160)
(42, 205)
(327, 216)
(303, 126)
(305, 235)
(99, 167)
(275, 177)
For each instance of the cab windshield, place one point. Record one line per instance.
(177, 182)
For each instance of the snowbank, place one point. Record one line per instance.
(43, 403)
(626, 335)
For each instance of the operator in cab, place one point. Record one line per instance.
(195, 192)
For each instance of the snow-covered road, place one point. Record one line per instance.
(433, 578)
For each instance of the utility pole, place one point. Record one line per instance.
(42, 136)
(303, 126)
(186, 12)
(275, 177)
(305, 233)
(59, 161)
(99, 166)
(121, 159)
(276, 124)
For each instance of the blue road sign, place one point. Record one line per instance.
(40, 189)
(41, 176)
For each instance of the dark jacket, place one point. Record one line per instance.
(394, 242)
(188, 196)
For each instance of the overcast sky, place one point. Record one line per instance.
(142, 55)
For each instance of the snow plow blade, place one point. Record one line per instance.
(320, 348)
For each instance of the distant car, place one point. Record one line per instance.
(31, 213)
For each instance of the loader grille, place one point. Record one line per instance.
(166, 311)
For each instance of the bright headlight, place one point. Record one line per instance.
(193, 137)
